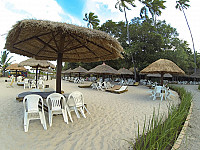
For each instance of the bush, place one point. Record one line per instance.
(159, 134)
(199, 87)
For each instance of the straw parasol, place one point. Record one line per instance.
(62, 42)
(16, 67)
(163, 66)
(36, 64)
(79, 70)
(124, 71)
(103, 69)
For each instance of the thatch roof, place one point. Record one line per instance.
(103, 69)
(43, 40)
(67, 71)
(163, 66)
(36, 63)
(79, 69)
(16, 67)
(125, 71)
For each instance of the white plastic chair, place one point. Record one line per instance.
(19, 79)
(40, 84)
(94, 85)
(75, 103)
(31, 103)
(26, 83)
(99, 86)
(157, 92)
(56, 103)
(33, 84)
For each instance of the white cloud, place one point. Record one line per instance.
(15, 10)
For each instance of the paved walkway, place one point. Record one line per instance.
(191, 140)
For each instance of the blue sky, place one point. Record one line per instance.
(72, 11)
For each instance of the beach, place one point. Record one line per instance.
(114, 119)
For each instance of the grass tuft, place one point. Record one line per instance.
(162, 131)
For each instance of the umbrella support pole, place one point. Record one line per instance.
(58, 73)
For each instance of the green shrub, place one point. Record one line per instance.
(159, 134)
(199, 87)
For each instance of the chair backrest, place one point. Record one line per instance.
(158, 89)
(26, 81)
(31, 102)
(40, 81)
(55, 101)
(75, 99)
(123, 88)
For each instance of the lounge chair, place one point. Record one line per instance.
(121, 90)
(115, 87)
(85, 85)
(136, 84)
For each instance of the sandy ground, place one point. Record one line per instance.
(114, 117)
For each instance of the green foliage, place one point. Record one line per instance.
(161, 131)
(199, 86)
(92, 20)
(5, 60)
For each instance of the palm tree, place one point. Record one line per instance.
(154, 7)
(92, 20)
(181, 5)
(122, 5)
(5, 61)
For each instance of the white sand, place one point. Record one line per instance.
(114, 117)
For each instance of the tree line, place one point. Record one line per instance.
(145, 39)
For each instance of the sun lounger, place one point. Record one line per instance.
(85, 85)
(115, 87)
(121, 90)
(136, 84)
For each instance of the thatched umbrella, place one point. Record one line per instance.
(79, 70)
(47, 70)
(16, 67)
(103, 70)
(68, 71)
(124, 71)
(36, 64)
(163, 66)
(62, 42)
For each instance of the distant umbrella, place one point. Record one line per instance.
(79, 70)
(36, 64)
(103, 70)
(125, 71)
(163, 66)
(16, 67)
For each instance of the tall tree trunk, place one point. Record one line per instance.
(129, 42)
(191, 38)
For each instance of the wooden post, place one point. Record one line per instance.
(58, 73)
(161, 82)
(36, 74)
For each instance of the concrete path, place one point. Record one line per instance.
(191, 140)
